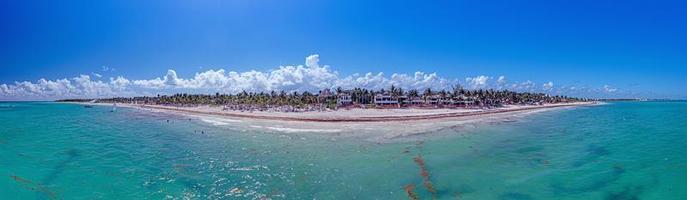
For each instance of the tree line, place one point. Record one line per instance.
(361, 96)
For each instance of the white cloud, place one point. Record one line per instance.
(547, 86)
(5, 90)
(78, 86)
(312, 76)
(88, 87)
(97, 75)
(527, 86)
(106, 68)
(608, 88)
(119, 83)
(419, 80)
(501, 80)
(478, 81)
(312, 60)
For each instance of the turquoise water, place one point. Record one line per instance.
(623, 150)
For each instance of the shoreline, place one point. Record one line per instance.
(356, 114)
(374, 125)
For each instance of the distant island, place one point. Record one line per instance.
(353, 105)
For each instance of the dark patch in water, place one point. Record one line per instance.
(628, 193)
(34, 187)
(6, 108)
(72, 155)
(406, 150)
(509, 120)
(456, 193)
(464, 189)
(593, 154)
(593, 185)
(514, 196)
(598, 151)
(618, 169)
(529, 149)
(538, 161)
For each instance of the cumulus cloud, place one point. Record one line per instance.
(311, 76)
(527, 86)
(477, 82)
(119, 82)
(312, 60)
(501, 80)
(547, 86)
(82, 86)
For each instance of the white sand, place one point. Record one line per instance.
(353, 115)
(384, 124)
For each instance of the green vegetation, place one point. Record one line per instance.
(396, 96)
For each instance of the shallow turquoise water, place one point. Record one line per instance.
(624, 150)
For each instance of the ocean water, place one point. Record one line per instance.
(622, 150)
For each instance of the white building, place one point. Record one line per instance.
(343, 99)
(382, 100)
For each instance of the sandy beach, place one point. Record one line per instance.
(377, 125)
(357, 114)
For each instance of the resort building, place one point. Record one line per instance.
(462, 103)
(343, 99)
(414, 101)
(437, 100)
(385, 100)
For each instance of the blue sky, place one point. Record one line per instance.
(614, 49)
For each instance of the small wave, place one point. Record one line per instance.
(250, 168)
(297, 130)
(218, 122)
(242, 169)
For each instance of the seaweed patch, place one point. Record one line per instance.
(425, 175)
(410, 191)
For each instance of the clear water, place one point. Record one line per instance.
(625, 150)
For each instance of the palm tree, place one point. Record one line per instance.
(413, 93)
(427, 93)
